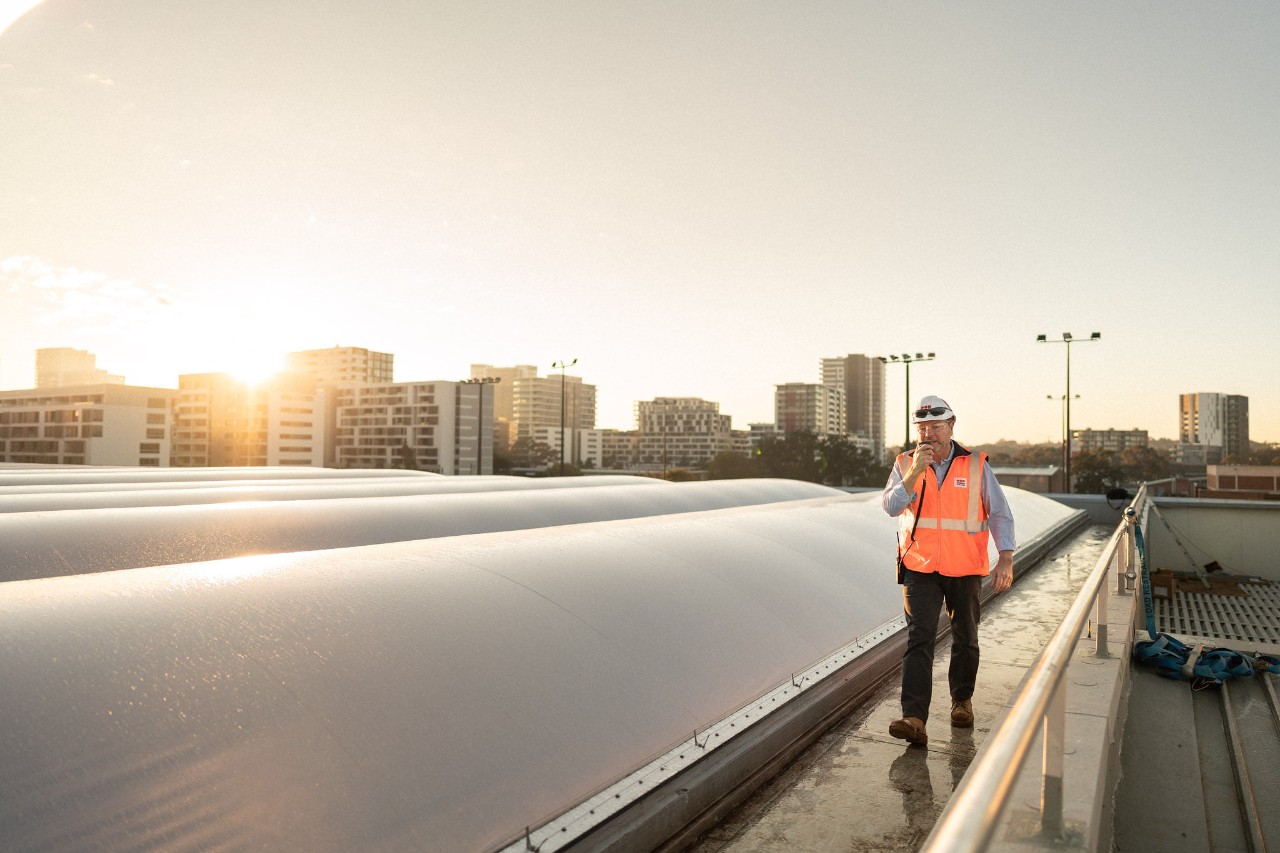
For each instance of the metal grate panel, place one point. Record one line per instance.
(1250, 618)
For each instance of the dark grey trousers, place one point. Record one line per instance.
(923, 595)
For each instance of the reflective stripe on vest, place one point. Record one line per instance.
(953, 524)
(951, 535)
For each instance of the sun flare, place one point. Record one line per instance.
(253, 368)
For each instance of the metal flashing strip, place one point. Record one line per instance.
(1250, 618)
(566, 828)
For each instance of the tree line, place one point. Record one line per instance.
(1097, 471)
(835, 460)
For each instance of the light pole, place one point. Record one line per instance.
(1066, 400)
(907, 360)
(666, 417)
(562, 366)
(482, 381)
(1066, 438)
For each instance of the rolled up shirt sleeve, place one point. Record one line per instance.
(895, 497)
(999, 515)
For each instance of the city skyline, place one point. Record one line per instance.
(342, 359)
(692, 201)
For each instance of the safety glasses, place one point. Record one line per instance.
(931, 411)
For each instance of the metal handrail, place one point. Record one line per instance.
(972, 815)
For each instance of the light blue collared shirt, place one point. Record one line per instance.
(896, 498)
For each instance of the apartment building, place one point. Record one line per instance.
(526, 404)
(760, 431)
(809, 407)
(98, 424)
(444, 427)
(1215, 421)
(338, 365)
(59, 367)
(503, 390)
(585, 447)
(334, 366)
(862, 378)
(680, 432)
(620, 449)
(1108, 440)
(222, 421)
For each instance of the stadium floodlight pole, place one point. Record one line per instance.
(481, 381)
(561, 366)
(1063, 399)
(1068, 339)
(907, 360)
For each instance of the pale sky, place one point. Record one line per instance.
(691, 198)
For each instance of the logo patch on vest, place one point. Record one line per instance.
(962, 483)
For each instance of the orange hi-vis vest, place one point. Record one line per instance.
(950, 537)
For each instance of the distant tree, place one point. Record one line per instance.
(1264, 454)
(846, 464)
(1144, 464)
(871, 473)
(555, 469)
(407, 458)
(527, 453)
(681, 475)
(792, 456)
(841, 462)
(501, 463)
(731, 465)
(1001, 452)
(1039, 454)
(1005, 452)
(1095, 472)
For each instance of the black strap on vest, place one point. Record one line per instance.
(902, 569)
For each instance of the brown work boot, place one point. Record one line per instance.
(962, 713)
(910, 729)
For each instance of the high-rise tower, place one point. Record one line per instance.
(1215, 421)
(862, 378)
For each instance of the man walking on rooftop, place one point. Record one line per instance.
(945, 498)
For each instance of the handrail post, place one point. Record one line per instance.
(1054, 738)
(1101, 616)
(1122, 557)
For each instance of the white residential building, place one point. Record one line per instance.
(862, 378)
(525, 404)
(57, 367)
(586, 446)
(1215, 421)
(445, 427)
(329, 368)
(807, 407)
(338, 365)
(1108, 440)
(759, 431)
(222, 421)
(101, 424)
(620, 448)
(681, 432)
